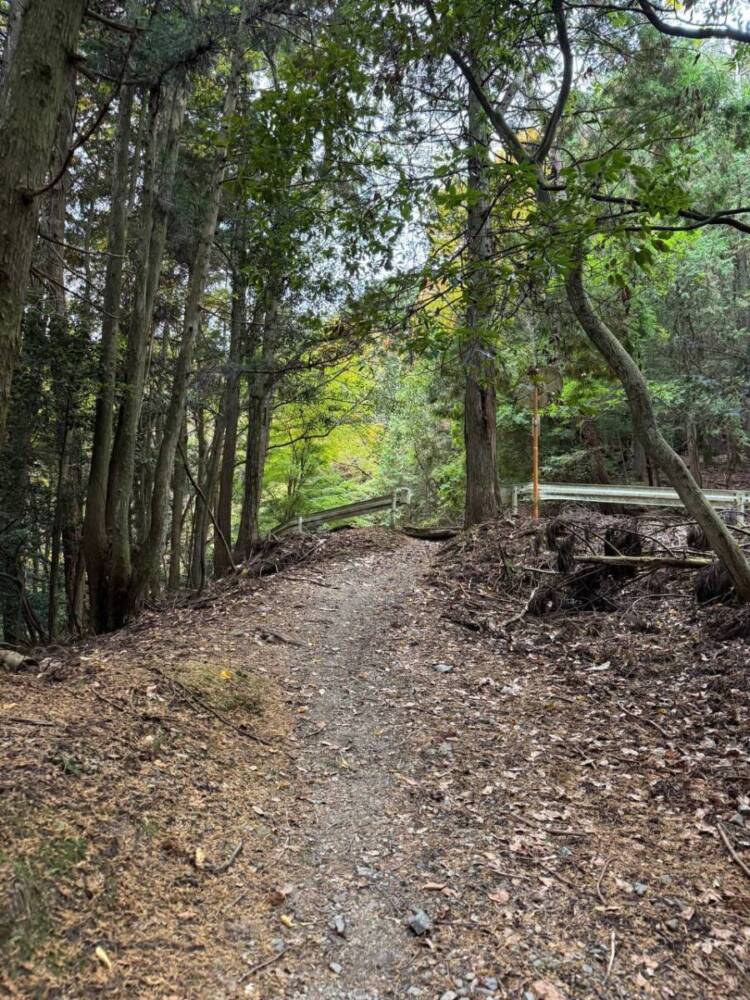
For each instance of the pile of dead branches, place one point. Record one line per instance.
(577, 561)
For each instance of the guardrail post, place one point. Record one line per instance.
(299, 524)
(393, 510)
(514, 500)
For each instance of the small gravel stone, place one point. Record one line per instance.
(640, 888)
(449, 995)
(420, 923)
(442, 668)
(335, 968)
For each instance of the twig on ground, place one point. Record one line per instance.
(30, 722)
(728, 844)
(642, 719)
(561, 878)
(602, 873)
(262, 965)
(225, 865)
(611, 956)
(547, 829)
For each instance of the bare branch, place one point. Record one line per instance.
(687, 31)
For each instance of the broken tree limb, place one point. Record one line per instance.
(648, 562)
(437, 534)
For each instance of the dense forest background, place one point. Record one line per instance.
(261, 258)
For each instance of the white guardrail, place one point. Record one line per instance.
(390, 501)
(637, 496)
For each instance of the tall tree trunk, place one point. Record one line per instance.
(593, 444)
(261, 351)
(693, 452)
(231, 412)
(15, 457)
(34, 88)
(480, 408)
(95, 539)
(161, 144)
(646, 428)
(149, 556)
(179, 484)
(67, 346)
(259, 409)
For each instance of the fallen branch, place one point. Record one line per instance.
(466, 623)
(30, 722)
(522, 612)
(438, 534)
(652, 562)
(209, 509)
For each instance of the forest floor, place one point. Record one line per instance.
(344, 781)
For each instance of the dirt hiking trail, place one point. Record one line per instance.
(388, 806)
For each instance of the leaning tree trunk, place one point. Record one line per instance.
(480, 411)
(646, 428)
(45, 34)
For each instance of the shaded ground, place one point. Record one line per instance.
(550, 793)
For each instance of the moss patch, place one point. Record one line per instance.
(223, 687)
(28, 893)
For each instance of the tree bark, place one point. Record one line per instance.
(231, 412)
(259, 413)
(95, 539)
(480, 407)
(593, 444)
(34, 87)
(693, 452)
(179, 482)
(646, 428)
(259, 410)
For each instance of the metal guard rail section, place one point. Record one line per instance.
(638, 496)
(390, 501)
